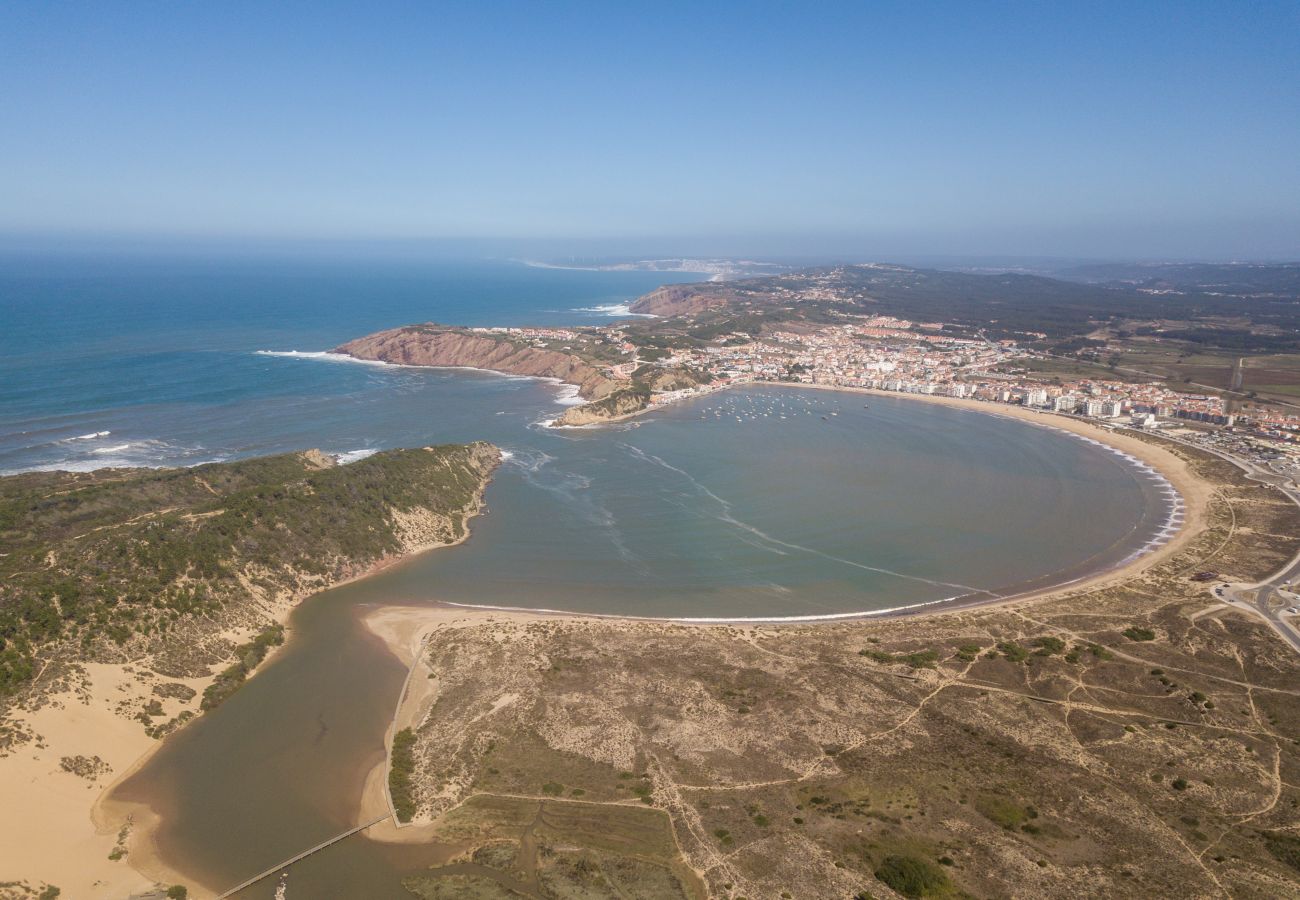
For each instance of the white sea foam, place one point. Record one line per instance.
(569, 396)
(139, 454)
(327, 356)
(615, 310)
(89, 437)
(351, 456)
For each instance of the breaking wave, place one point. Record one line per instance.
(615, 310)
(327, 356)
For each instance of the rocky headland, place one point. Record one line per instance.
(438, 345)
(618, 405)
(681, 300)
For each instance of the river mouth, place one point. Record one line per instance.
(718, 509)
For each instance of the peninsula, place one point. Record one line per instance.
(605, 370)
(498, 350)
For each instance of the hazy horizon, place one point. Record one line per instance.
(576, 253)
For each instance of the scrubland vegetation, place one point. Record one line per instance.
(96, 563)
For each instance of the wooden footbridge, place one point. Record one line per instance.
(303, 855)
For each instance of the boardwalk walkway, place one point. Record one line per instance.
(303, 855)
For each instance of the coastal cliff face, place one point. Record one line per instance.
(434, 345)
(680, 300)
(622, 403)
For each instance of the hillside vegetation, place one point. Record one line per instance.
(1238, 307)
(110, 564)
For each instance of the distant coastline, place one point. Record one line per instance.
(715, 269)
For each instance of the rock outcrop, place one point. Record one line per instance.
(438, 345)
(617, 405)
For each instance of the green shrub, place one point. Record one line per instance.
(1001, 811)
(401, 768)
(920, 659)
(1100, 652)
(1013, 651)
(1049, 645)
(1138, 633)
(912, 876)
(248, 657)
(138, 553)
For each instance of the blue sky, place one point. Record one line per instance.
(1091, 129)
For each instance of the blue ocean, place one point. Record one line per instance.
(155, 361)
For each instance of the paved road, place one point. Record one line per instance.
(1262, 598)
